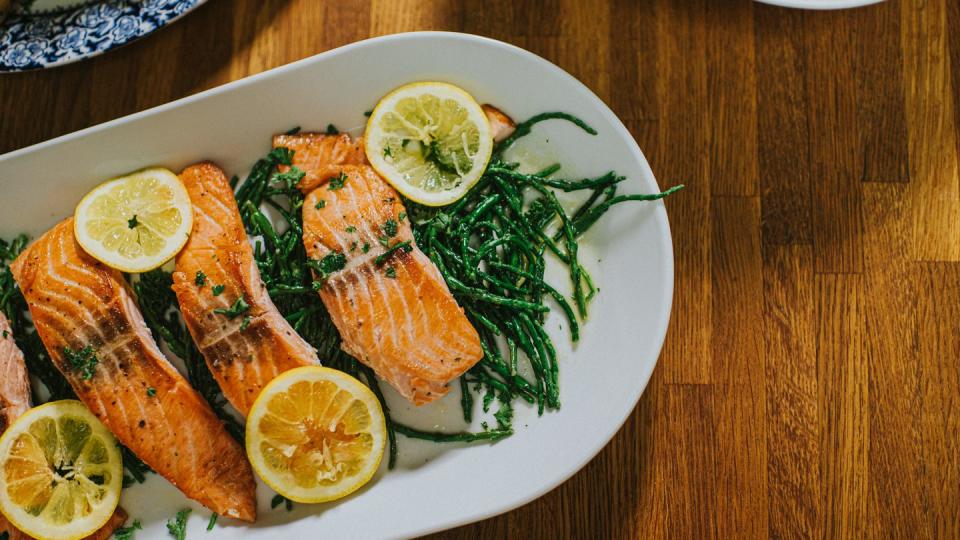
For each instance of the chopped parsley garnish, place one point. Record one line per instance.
(290, 178)
(85, 361)
(353, 247)
(391, 272)
(6, 334)
(387, 152)
(280, 499)
(212, 523)
(126, 533)
(132, 222)
(238, 308)
(332, 130)
(201, 278)
(218, 289)
(245, 323)
(151, 391)
(390, 228)
(382, 258)
(337, 182)
(401, 216)
(368, 113)
(329, 264)
(281, 155)
(320, 204)
(351, 229)
(366, 247)
(177, 526)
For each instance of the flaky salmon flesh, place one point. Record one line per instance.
(216, 270)
(389, 302)
(88, 319)
(14, 401)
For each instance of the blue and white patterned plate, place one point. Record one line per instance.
(54, 32)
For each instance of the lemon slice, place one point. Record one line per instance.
(135, 223)
(60, 472)
(315, 434)
(430, 140)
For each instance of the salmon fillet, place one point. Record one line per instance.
(393, 311)
(77, 302)
(14, 383)
(501, 125)
(14, 401)
(14, 397)
(320, 155)
(248, 351)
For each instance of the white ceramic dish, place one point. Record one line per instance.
(820, 4)
(434, 487)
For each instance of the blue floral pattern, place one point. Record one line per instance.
(33, 41)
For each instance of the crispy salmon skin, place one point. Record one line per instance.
(215, 271)
(77, 303)
(389, 302)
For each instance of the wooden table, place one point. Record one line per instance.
(810, 382)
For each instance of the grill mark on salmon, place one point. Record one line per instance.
(408, 328)
(76, 302)
(243, 357)
(14, 401)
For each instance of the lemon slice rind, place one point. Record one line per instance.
(101, 444)
(135, 223)
(284, 483)
(411, 172)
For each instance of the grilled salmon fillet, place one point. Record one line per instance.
(393, 310)
(14, 383)
(248, 350)
(14, 401)
(320, 155)
(14, 397)
(77, 302)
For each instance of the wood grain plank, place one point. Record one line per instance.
(843, 402)
(732, 97)
(390, 16)
(633, 57)
(793, 451)
(896, 469)
(932, 126)
(739, 360)
(878, 70)
(835, 161)
(953, 38)
(783, 144)
(680, 156)
(939, 392)
(690, 461)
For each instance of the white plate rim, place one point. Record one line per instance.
(821, 5)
